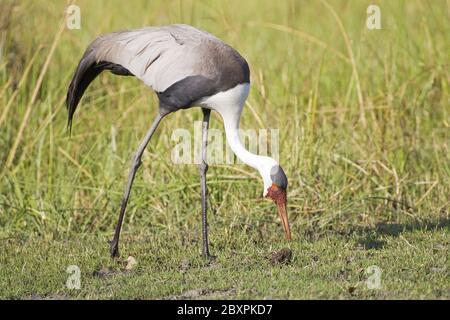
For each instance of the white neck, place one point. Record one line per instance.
(232, 134)
(229, 104)
(261, 163)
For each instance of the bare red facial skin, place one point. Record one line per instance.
(278, 195)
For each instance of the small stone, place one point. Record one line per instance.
(131, 263)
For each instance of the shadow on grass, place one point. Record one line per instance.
(371, 237)
(396, 229)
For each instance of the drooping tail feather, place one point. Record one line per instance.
(88, 69)
(84, 74)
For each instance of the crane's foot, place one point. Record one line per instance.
(208, 257)
(114, 248)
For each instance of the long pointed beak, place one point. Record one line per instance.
(282, 211)
(279, 196)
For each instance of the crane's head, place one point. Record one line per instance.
(275, 188)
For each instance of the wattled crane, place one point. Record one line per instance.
(186, 67)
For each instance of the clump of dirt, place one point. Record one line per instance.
(204, 293)
(104, 272)
(126, 266)
(282, 256)
(53, 296)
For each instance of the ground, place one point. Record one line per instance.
(363, 128)
(412, 262)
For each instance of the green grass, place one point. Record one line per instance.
(365, 146)
(413, 265)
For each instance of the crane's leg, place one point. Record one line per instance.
(114, 243)
(203, 169)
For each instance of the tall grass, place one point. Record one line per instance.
(363, 115)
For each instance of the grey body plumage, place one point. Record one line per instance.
(181, 63)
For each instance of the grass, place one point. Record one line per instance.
(170, 267)
(364, 123)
